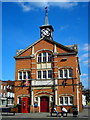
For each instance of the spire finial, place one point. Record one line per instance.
(46, 16)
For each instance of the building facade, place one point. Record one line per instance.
(6, 93)
(47, 74)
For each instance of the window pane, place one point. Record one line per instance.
(61, 100)
(39, 74)
(49, 57)
(71, 99)
(66, 100)
(39, 57)
(61, 73)
(49, 73)
(20, 75)
(70, 72)
(44, 74)
(24, 75)
(44, 57)
(28, 74)
(3, 102)
(65, 73)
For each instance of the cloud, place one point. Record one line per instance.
(65, 5)
(85, 55)
(85, 47)
(64, 27)
(84, 74)
(84, 59)
(84, 79)
(85, 62)
(45, 0)
(26, 5)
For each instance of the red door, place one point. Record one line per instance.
(44, 104)
(25, 105)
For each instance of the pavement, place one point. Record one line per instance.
(27, 116)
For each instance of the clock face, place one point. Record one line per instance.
(45, 32)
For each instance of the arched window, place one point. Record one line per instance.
(39, 57)
(65, 73)
(44, 57)
(49, 57)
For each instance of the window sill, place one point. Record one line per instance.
(43, 62)
(65, 105)
(45, 79)
(66, 78)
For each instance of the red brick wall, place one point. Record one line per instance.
(70, 62)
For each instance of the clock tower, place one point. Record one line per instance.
(46, 29)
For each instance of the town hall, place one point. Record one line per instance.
(47, 74)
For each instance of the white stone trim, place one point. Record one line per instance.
(32, 50)
(55, 67)
(25, 69)
(43, 50)
(55, 49)
(33, 73)
(55, 97)
(43, 93)
(55, 72)
(32, 98)
(54, 61)
(33, 63)
(77, 96)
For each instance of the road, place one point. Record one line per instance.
(46, 116)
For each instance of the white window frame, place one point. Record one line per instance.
(51, 98)
(4, 95)
(47, 74)
(26, 72)
(42, 74)
(1, 87)
(36, 99)
(37, 74)
(42, 56)
(4, 87)
(64, 100)
(64, 73)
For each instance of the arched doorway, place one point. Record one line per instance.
(44, 104)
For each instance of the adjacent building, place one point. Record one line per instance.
(47, 74)
(6, 93)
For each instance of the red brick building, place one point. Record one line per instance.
(47, 73)
(6, 93)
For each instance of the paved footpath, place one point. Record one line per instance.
(44, 116)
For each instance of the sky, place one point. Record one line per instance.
(20, 28)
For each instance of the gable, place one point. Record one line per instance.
(45, 44)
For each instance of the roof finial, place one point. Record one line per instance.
(46, 16)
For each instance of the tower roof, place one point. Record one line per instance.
(46, 16)
(46, 24)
